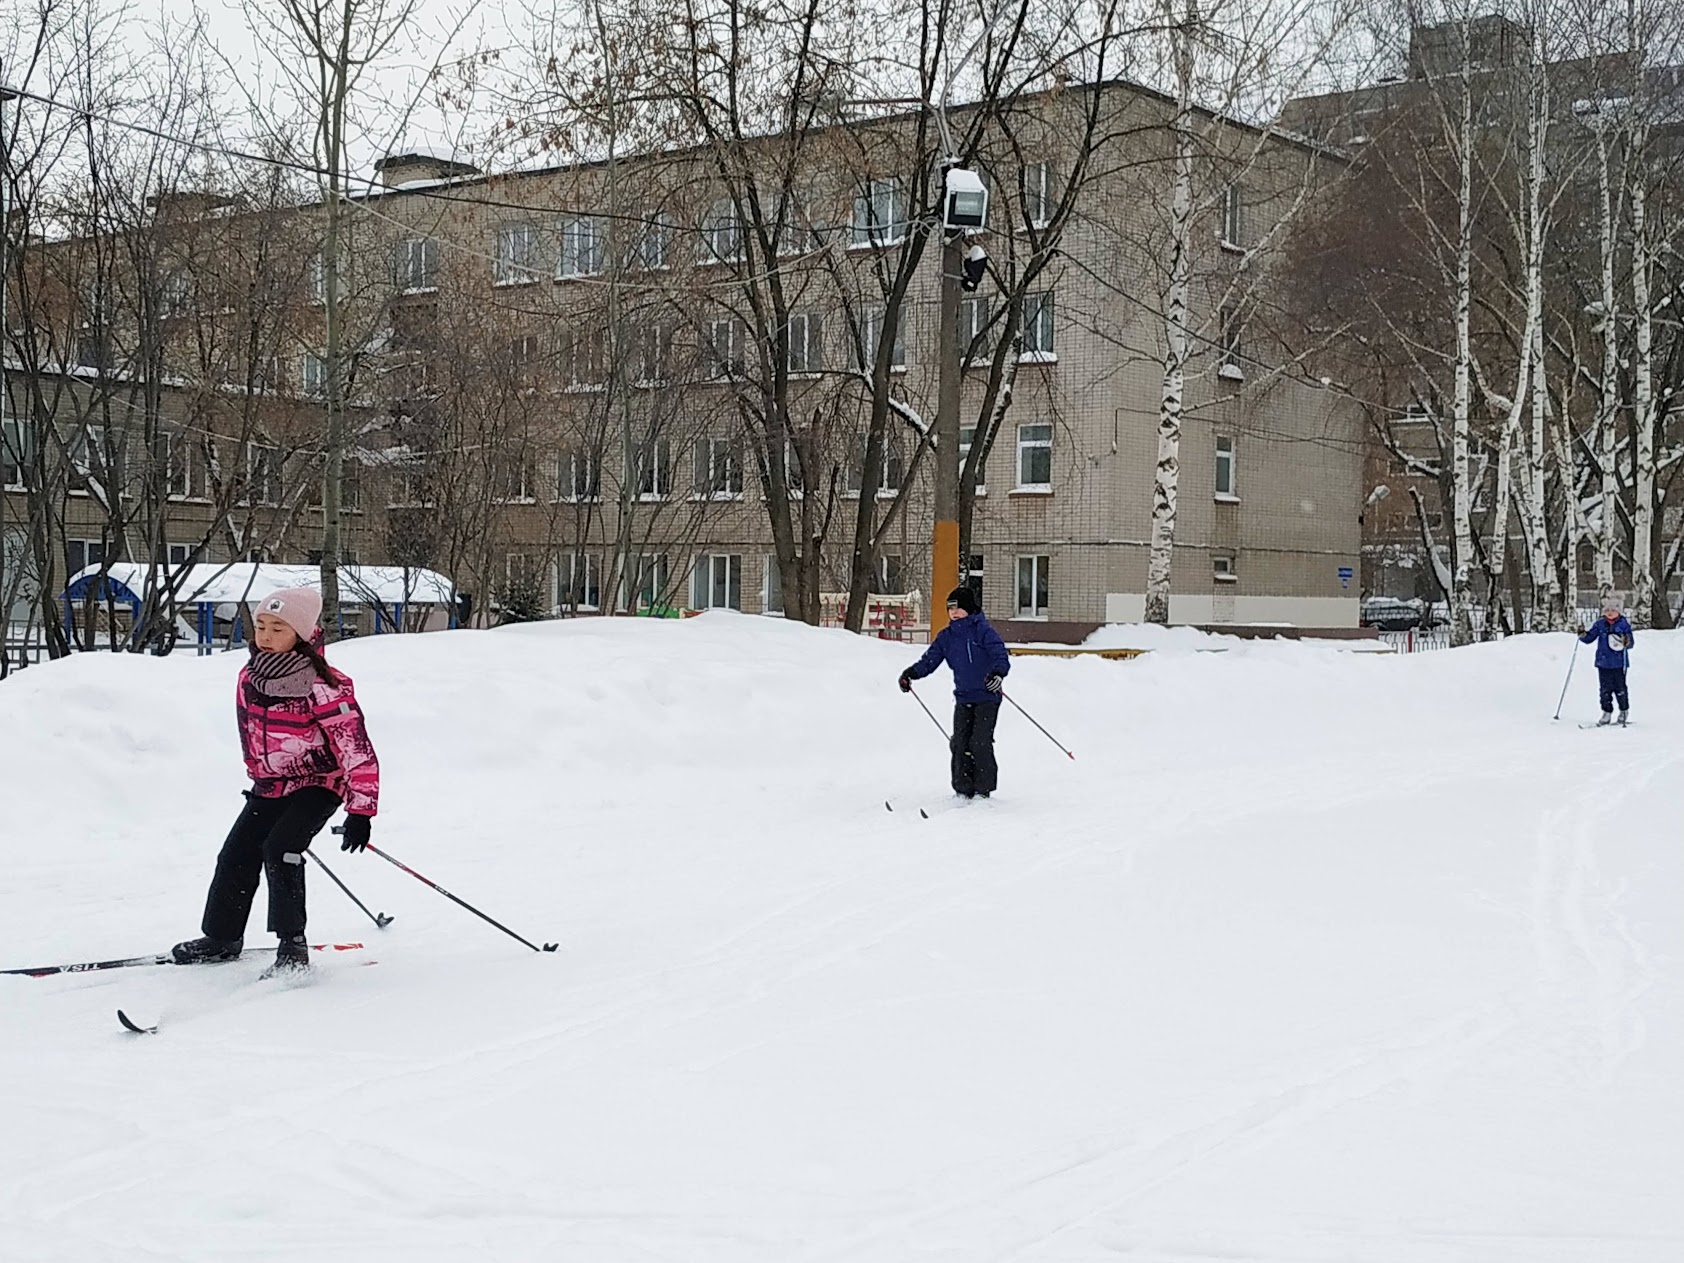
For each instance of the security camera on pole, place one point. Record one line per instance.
(964, 211)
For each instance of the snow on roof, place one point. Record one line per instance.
(227, 583)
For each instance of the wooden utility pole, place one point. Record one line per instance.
(944, 550)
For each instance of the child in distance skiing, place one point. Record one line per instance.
(1612, 636)
(307, 752)
(973, 649)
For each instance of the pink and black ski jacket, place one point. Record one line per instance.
(319, 739)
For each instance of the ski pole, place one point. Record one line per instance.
(547, 947)
(1034, 721)
(931, 714)
(1570, 661)
(380, 922)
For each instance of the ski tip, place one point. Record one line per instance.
(130, 1025)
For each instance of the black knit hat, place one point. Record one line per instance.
(965, 599)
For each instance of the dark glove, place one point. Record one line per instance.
(905, 682)
(356, 833)
(994, 683)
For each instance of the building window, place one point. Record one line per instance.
(972, 576)
(175, 295)
(723, 352)
(871, 338)
(718, 582)
(1228, 347)
(722, 233)
(312, 374)
(183, 478)
(1032, 586)
(967, 440)
(79, 554)
(652, 352)
(1038, 346)
(417, 265)
(1038, 198)
(719, 469)
(976, 336)
(805, 343)
(315, 278)
(586, 357)
(652, 581)
(798, 233)
(579, 581)
(654, 471)
(581, 248)
(1233, 217)
(17, 452)
(889, 473)
(880, 214)
(580, 479)
(263, 473)
(88, 455)
(517, 255)
(772, 589)
(181, 554)
(654, 243)
(1034, 457)
(1222, 570)
(1227, 488)
(511, 477)
(891, 580)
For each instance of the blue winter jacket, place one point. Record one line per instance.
(1607, 657)
(974, 650)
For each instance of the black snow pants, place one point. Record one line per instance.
(974, 769)
(270, 837)
(1613, 689)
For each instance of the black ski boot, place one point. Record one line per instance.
(292, 958)
(200, 951)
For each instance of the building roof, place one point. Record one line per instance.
(229, 583)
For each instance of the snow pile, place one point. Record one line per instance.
(1308, 956)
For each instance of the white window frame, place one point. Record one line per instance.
(653, 348)
(1223, 569)
(312, 375)
(1036, 179)
(652, 580)
(723, 365)
(771, 587)
(587, 360)
(1227, 463)
(565, 567)
(1039, 329)
(871, 336)
(976, 311)
(516, 256)
(806, 344)
(1034, 437)
(654, 243)
(879, 215)
(518, 490)
(87, 445)
(724, 467)
(418, 265)
(17, 436)
(1230, 333)
(583, 248)
(654, 472)
(175, 294)
(315, 280)
(178, 456)
(88, 547)
(722, 233)
(179, 554)
(965, 445)
(572, 488)
(265, 478)
(1040, 586)
(1232, 229)
(713, 572)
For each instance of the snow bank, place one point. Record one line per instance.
(1308, 956)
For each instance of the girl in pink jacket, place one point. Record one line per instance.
(307, 752)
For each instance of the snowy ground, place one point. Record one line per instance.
(1310, 957)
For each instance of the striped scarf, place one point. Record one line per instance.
(288, 674)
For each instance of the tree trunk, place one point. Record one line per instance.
(1461, 592)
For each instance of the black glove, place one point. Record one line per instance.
(905, 682)
(994, 683)
(356, 833)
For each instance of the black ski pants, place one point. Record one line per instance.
(974, 769)
(270, 837)
(1613, 688)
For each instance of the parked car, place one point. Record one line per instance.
(1390, 613)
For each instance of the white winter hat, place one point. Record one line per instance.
(1613, 602)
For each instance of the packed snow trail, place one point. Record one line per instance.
(1310, 957)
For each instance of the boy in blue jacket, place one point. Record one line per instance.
(979, 660)
(1613, 655)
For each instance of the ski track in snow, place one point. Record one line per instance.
(1310, 958)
